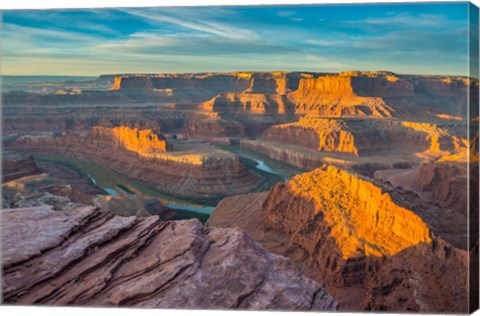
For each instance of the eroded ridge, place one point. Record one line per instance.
(361, 218)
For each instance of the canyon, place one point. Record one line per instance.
(317, 191)
(193, 170)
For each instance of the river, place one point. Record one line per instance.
(114, 183)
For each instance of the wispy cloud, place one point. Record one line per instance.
(201, 25)
(431, 38)
(191, 44)
(290, 15)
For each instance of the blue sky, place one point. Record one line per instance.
(425, 38)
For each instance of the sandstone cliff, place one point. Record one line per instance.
(317, 134)
(193, 171)
(335, 95)
(356, 215)
(442, 144)
(87, 258)
(369, 251)
(347, 94)
(132, 139)
(382, 142)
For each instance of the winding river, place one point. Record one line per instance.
(115, 184)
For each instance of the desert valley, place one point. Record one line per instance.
(250, 190)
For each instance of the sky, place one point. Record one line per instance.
(410, 38)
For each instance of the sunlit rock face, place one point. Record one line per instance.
(369, 247)
(335, 95)
(354, 214)
(347, 94)
(133, 139)
(353, 143)
(132, 84)
(86, 257)
(192, 170)
(442, 144)
(317, 134)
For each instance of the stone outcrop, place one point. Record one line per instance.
(442, 144)
(84, 257)
(357, 216)
(317, 134)
(369, 251)
(347, 94)
(338, 141)
(212, 129)
(132, 139)
(194, 171)
(135, 84)
(247, 103)
(447, 183)
(335, 95)
(16, 165)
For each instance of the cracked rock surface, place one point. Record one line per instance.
(87, 257)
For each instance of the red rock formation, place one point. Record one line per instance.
(310, 141)
(335, 96)
(193, 172)
(345, 232)
(317, 134)
(88, 258)
(133, 139)
(442, 144)
(136, 84)
(357, 215)
(351, 94)
(212, 129)
(252, 103)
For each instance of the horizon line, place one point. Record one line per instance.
(239, 71)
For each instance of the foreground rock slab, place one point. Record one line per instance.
(87, 257)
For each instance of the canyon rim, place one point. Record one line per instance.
(292, 158)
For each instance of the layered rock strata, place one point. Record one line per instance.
(187, 172)
(87, 258)
(132, 139)
(347, 94)
(310, 141)
(355, 239)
